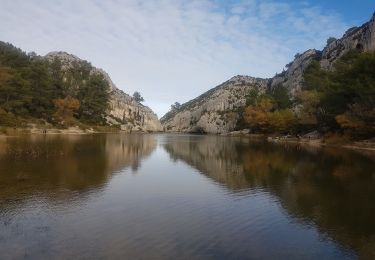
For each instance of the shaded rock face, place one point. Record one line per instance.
(213, 111)
(123, 109)
(216, 111)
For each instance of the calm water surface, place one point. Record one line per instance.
(180, 196)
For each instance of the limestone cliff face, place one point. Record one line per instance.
(212, 112)
(361, 38)
(123, 109)
(292, 78)
(216, 110)
(132, 114)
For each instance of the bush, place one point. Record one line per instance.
(336, 139)
(9, 119)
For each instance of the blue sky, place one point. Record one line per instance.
(352, 11)
(174, 50)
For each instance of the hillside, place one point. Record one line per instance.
(123, 110)
(62, 90)
(283, 103)
(213, 111)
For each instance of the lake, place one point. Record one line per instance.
(114, 196)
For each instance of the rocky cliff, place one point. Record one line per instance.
(123, 109)
(361, 38)
(292, 77)
(215, 110)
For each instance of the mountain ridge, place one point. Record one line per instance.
(200, 119)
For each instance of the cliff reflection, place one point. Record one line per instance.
(49, 165)
(331, 189)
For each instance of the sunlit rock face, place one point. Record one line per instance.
(123, 109)
(132, 114)
(216, 111)
(212, 112)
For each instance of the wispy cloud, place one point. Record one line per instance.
(170, 50)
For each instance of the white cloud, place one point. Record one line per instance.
(170, 50)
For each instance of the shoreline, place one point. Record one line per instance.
(20, 131)
(74, 130)
(320, 143)
(365, 145)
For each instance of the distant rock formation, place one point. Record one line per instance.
(212, 112)
(215, 110)
(123, 109)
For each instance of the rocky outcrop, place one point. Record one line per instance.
(213, 111)
(361, 38)
(293, 76)
(123, 109)
(131, 114)
(216, 111)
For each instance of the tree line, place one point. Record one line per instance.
(32, 87)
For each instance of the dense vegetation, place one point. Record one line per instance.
(35, 88)
(345, 97)
(338, 101)
(270, 111)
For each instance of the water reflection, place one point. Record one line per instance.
(50, 165)
(193, 197)
(331, 189)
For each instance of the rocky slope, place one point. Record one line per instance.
(361, 38)
(123, 109)
(215, 110)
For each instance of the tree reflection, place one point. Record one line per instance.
(50, 164)
(333, 189)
